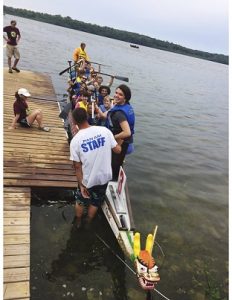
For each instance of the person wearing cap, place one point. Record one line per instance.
(12, 38)
(23, 116)
(121, 120)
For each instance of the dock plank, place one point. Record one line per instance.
(16, 239)
(16, 274)
(18, 214)
(17, 249)
(16, 229)
(16, 261)
(16, 290)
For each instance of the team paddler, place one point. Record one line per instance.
(80, 56)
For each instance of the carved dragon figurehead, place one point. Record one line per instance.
(146, 268)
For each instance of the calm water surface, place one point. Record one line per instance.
(178, 175)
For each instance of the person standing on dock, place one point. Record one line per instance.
(12, 38)
(90, 151)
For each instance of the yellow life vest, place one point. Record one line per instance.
(79, 53)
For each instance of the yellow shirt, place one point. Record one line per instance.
(79, 53)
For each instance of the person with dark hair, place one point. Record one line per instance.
(90, 151)
(104, 91)
(121, 120)
(12, 38)
(23, 115)
(83, 100)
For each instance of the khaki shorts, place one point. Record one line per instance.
(12, 51)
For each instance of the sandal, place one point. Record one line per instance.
(47, 129)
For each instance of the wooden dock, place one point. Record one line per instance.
(32, 158)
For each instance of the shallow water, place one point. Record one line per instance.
(178, 175)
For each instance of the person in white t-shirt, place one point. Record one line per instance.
(90, 151)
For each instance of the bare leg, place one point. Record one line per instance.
(15, 62)
(37, 116)
(92, 210)
(79, 209)
(9, 62)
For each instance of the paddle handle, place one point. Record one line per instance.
(116, 77)
(154, 236)
(92, 100)
(67, 69)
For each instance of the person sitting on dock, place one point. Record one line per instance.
(90, 151)
(23, 115)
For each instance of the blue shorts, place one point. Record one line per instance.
(97, 196)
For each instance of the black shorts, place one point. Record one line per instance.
(24, 123)
(97, 196)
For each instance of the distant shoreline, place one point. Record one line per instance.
(130, 37)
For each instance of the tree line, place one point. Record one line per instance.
(130, 37)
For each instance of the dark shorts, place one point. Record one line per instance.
(97, 196)
(24, 123)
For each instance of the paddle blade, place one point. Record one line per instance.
(64, 113)
(62, 72)
(67, 69)
(122, 78)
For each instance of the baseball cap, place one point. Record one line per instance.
(24, 92)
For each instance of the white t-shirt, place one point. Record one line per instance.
(92, 147)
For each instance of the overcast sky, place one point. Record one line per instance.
(196, 24)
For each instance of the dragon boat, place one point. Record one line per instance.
(118, 212)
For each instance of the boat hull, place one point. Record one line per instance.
(117, 211)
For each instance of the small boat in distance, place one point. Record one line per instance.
(134, 46)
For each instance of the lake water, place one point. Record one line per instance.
(177, 177)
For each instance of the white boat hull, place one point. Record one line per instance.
(118, 214)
